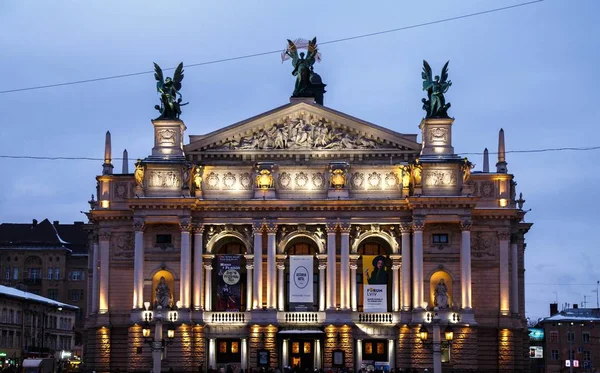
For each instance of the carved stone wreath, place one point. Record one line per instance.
(285, 180)
(122, 244)
(487, 189)
(357, 180)
(301, 180)
(391, 180)
(212, 181)
(374, 180)
(121, 190)
(318, 180)
(229, 180)
(246, 180)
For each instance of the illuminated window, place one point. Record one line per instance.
(307, 347)
(380, 349)
(223, 347)
(235, 347)
(368, 348)
(439, 238)
(295, 347)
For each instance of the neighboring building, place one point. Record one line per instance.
(307, 237)
(33, 326)
(50, 260)
(572, 338)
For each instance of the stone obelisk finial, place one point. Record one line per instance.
(501, 165)
(125, 162)
(486, 161)
(107, 167)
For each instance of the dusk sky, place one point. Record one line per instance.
(532, 70)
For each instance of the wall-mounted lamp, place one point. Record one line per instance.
(423, 333)
(449, 334)
(104, 203)
(503, 202)
(146, 330)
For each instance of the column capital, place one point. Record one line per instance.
(345, 227)
(354, 266)
(396, 267)
(331, 227)
(280, 266)
(405, 227)
(250, 266)
(503, 235)
(185, 225)
(249, 257)
(208, 257)
(465, 223)
(208, 267)
(270, 228)
(198, 228)
(257, 227)
(418, 223)
(322, 258)
(322, 267)
(104, 235)
(139, 225)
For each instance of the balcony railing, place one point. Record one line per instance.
(374, 318)
(301, 317)
(225, 317)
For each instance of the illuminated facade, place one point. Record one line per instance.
(307, 237)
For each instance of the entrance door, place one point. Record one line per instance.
(302, 354)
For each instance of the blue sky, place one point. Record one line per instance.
(532, 70)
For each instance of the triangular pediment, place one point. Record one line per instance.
(299, 128)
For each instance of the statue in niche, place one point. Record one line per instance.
(170, 103)
(417, 170)
(441, 295)
(308, 83)
(139, 173)
(466, 169)
(435, 105)
(405, 176)
(198, 177)
(162, 295)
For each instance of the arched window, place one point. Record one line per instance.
(299, 251)
(374, 268)
(229, 275)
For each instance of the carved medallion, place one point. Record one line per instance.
(285, 180)
(318, 180)
(438, 134)
(122, 245)
(440, 178)
(487, 189)
(374, 180)
(212, 181)
(357, 180)
(121, 190)
(246, 180)
(483, 244)
(301, 180)
(229, 180)
(166, 136)
(164, 179)
(391, 180)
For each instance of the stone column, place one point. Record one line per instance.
(318, 354)
(391, 353)
(405, 229)
(417, 286)
(281, 283)
(104, 239)
(271, 267)
(344, 266)
(359, 352)
(331, 256)
(95, 280)
(185, 280)
(208, 282)
(504, 237)
(353, 289)
(395, 283)
(198, 231)
(138, 263)
(212, 353)
(465, 262)
(249, 280)
(514, 285)
(284, 352)
(244, 354)
(322, 267)
(257, 229)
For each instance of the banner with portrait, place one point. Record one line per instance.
(228, 282)
(376, 269)
(301, 283)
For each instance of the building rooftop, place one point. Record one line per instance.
(575, 314)
(24, 295)
(45, 235)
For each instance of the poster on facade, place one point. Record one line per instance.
(228, 282)
(375, 280)
(301, 283)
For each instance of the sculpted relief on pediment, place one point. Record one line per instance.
(301, 133)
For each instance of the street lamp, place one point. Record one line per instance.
(437, 344)
(158, 343)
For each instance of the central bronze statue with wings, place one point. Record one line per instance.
(308, 83)
(170, 103)
(436, 87)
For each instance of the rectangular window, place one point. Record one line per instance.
(554, 355)
(585, 337)
(18, 317)
(440, 238)
(15, 273)
(4, 315)
(57, 273)
(34, 274)
(8, 273)
(572, 355)
(76, 275)
(571, 337)
(587, 355)
(163, 239)
(76, 295)
(53, 294)
(554, 336)
(50, 273)
(11, 316)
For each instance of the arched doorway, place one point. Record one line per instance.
(229, 276)
(374, 272)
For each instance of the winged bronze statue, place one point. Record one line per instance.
(170, 98)
(308, 83)
(435, 105)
